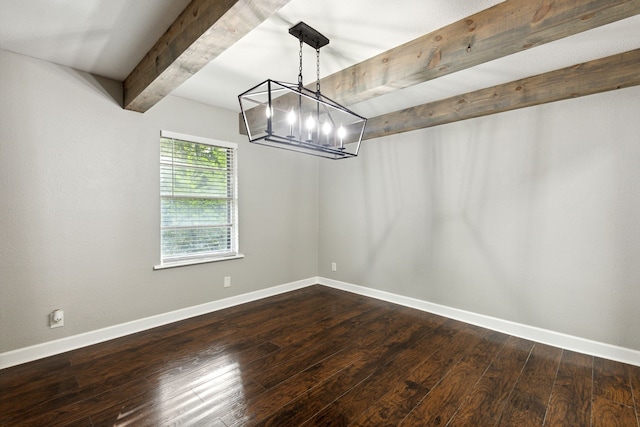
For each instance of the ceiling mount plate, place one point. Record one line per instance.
(308, 35)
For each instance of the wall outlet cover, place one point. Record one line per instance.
(56, 319)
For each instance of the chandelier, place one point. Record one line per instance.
(292, 117)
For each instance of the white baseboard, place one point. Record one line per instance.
(556, 339)
(581, 345)
(39, 351)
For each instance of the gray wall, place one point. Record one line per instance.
(79, 215)
(531, 216)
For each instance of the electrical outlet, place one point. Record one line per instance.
(227, 281)
(56, 319)
(334, 266)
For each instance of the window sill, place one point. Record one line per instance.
(195, 262)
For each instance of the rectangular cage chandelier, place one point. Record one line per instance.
(292, 117)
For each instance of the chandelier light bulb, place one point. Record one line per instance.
(311, 123)
(291, 117)
(326, 128)
(342, 132)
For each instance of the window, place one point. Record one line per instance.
(198, 194)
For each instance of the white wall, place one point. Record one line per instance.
(531, 216)
(79, 215)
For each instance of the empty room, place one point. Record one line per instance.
(320, 213)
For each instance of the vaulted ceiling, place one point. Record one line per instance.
(407, 64)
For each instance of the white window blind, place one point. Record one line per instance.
(198, 198)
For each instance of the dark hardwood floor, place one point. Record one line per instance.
(319, 357)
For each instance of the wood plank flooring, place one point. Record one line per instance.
(320, 357)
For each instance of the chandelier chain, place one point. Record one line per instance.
(318, 71)
(300, 69)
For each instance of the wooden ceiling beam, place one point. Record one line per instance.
(204, 30)
(601, 75)
(501, 30)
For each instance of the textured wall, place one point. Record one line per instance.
(79, 216)
(531, 216)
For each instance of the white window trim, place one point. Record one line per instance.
(205, 260)
(183, 263)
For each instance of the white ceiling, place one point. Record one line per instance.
(109, 37)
